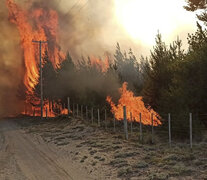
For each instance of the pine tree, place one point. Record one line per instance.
(65, 78)
(160, 72)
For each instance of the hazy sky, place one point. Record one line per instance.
(143, 19)
(133, 23)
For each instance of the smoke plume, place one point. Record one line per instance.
(84, 28)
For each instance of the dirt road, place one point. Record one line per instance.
(24, 157)
(71, 148)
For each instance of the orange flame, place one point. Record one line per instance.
(50, 110)
(38, 24)
(100, 64)
(44, 28)
(134, 106)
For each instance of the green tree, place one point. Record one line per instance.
(159, 73)
(191, 77)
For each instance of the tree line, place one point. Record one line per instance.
(171, 79)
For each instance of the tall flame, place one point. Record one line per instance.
(134, 106)
(38, 24)
(43, 27)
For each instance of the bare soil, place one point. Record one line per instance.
(69, 148)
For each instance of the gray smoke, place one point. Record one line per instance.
(86, 27)
(11, 64)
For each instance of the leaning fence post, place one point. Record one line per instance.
(125, 123)
(114, 122)
(99, 118)
(169, 128)
(191, 135)
(92, 115)
(105, 119)
(140, 126)
(68, 106)
(131, 120)
(152, 128)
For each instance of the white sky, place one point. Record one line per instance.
(142, 20)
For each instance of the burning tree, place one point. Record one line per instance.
(38, 24)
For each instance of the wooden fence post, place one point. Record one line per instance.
(82, 112)
(169, 128)
(68, 106)
(140, 126)
(105, 119)
(73, 110)
(114, 122)
(125, 123)
(152, 128)
(191, 134)
(99, 124)
(131, 121)
(46, 112)
(77, 110)
(92, 115)
(86, 113)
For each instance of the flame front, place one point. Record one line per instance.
(38, 24)
(134, 106)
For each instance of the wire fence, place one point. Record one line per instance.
(190, 129)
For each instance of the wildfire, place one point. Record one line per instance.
(38, 24)
(100, 64)
(135, 106)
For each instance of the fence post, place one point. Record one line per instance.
(77, 110)
(152, 129)
(86, 113)
(114, 122)
(169, 128)
(92, 115)
(68, 106)
(191, 135)
(105, 119)
(125, 123)
(131, 121)
(46, 112)
(99, 119)
(82, 112)
(73, 110)
(140, 126)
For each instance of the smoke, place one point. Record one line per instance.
(11, 64)
(88, 85)
(85, 27)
